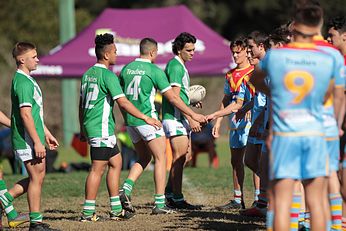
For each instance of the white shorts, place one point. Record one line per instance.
(176, 128)
(106, 142)
(25, 154)
(144, 132)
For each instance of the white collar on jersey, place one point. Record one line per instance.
(23, 73)
(177, 58)
(100, 65)
(143, 60)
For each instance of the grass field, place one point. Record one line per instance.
(63, 195)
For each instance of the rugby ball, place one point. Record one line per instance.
(196, 93)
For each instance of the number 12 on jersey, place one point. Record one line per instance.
(133, 87)
(92, 93)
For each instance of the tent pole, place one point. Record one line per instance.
(69, 86)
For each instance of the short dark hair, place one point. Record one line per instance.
(21, 48)
(338, 23)
(101, 42)
(239, 42)
(145, 45)
(180, 41)
(278, 35)
(258, 37)
(309, 15)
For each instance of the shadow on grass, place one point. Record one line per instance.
(217, 220)
(58, 214)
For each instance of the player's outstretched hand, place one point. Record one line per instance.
(153, 122)
(40, 150)
(195, 126)
(199, 118)
(211, 117)
(51, 141)
(216, 130)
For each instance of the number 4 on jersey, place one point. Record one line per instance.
(133, 87)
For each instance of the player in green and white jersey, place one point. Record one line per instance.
(99, 89)
(176, 124)
(140, 79)
(29, 134)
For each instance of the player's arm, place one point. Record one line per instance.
(80, 116)
(28, 121)
(258, 81)
(127, 106)
(217, 125)
(232, 107)
(194, 125)
(4, 120)
(175, 99)
(50, 139)
(339, 103)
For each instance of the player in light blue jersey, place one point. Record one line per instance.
(237, 93)
(298, 86)
(332, 132)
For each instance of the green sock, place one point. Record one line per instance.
(178, 197)
(159, 200)
(3, 187)
(128, 186)
(89, 207)
(35, 217)
(115, 204)
(6, 200)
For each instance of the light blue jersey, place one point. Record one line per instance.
(239, 130)
(329, 121)
(298, 84)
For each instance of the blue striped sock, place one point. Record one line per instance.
(295, 208)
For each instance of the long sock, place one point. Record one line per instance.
(335, 201)
(344, 223)
(270, 220)
(237, 196)
(89, 207)
(178, 197)
(301, 218)
(168, 191)
(159, 200)
(257, 192)
(295, 208)
(128, 186)
(262, 199)
(115, 204)
(3, 187)
(35, 217)
(6, 200)
(307, 220)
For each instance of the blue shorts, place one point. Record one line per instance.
(298, 157)
(238, 138)
(333, 147)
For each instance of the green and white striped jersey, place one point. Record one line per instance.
(177, 76)
(25, 92)
(139, 80)
(99, 88)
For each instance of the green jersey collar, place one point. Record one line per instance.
(179, 60)
(100, 65)
(23, 73)
(143, 60)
